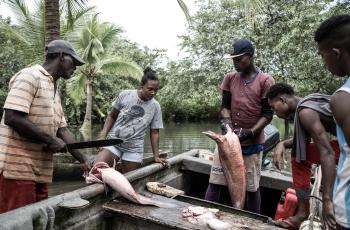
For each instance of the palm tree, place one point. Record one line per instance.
(70, 9)
(92, 40)
(52, 20)
(52, 15)
(185, 10)
(41, 25)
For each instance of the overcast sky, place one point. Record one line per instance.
(152, 23)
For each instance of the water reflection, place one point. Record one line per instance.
(176, 138)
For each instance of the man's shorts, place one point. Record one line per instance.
(125, 155)
(252, 165)
(18, 193)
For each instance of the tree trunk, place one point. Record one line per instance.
(52, 20)
(86, 127)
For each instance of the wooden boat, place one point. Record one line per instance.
(90, 208)
(67, 168)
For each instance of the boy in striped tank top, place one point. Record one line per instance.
(333, 39)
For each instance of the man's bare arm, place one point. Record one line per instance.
(68, 138)
(341, 112)
(311, 122)
(24, 127)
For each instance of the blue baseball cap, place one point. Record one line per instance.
(241, 47)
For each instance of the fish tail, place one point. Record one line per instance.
(149, 201)
(216, 137)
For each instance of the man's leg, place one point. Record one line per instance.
(301, 173)
(16, 193)
(42, 191)
(253, 168)
(213, 192)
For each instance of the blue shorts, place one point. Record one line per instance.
(125, 155)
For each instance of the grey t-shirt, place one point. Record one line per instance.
(134, 118)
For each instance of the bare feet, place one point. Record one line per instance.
(292, 222)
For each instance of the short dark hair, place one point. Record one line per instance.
(149, 74)
(279, 89)
(335, 30)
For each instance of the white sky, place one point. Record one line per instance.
(151, 23)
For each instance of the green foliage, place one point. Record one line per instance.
(12, 58)
(282, 32)
(31, 24)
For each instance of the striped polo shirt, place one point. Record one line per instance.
(31, 91)
(341, 191)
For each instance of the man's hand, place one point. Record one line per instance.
(86, 167)
(56, 145)
(224, 122)
(161, 160)
(278, 156)
(328, 214)
(244, 134)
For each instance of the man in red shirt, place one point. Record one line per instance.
(245, 108)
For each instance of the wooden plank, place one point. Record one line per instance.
(172, 218)
(279, 180)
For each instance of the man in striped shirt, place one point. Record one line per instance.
(333, 40)
(33, 127)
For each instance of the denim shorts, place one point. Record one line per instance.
(125, 155)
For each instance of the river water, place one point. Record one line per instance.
(175, 138)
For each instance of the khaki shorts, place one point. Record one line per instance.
(252, 165)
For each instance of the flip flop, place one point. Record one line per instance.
(286, 223)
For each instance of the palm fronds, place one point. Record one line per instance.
(76, 88)
(185, 10)
(120, 67)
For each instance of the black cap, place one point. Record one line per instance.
(61, 46)
(240, 47)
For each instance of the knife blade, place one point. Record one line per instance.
(93, 144)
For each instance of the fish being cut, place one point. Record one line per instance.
(204, 216)
(231, 159)
(102, 173)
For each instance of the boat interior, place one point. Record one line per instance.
(92, 207)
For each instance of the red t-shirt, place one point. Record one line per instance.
(246, 101)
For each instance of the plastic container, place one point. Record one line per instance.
(287, 205)
(206, 156)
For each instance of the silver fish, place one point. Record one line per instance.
(101, 172)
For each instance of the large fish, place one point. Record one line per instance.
(102, 173)
(232, 163)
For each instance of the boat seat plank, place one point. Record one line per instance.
(269, 178)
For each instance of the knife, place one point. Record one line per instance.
(93, 144)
